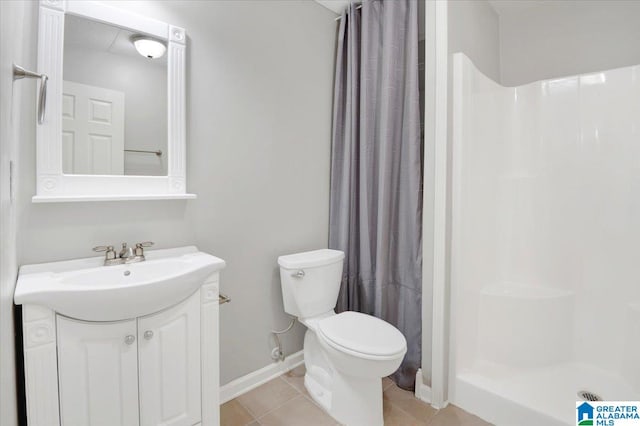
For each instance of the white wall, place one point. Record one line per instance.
(259, 80)
(11, 50)
(561, 38)
(145, 87)
(474, 29)
(262, 88)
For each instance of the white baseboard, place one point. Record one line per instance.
(252, 380)
(422, 392)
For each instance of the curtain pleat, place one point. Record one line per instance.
(376, 200)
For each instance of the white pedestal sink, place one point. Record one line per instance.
(132, 344)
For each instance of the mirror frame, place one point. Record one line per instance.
(52, 185)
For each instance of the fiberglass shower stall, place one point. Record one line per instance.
(545, 287)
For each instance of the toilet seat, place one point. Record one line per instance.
(362, 335)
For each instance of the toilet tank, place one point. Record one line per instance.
(310, 281)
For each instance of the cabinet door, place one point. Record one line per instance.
(98, 373)
(169, 365)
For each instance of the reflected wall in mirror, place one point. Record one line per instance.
(114, 102)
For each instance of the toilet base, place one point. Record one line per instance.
(352, 401)
(320, 395)
(357, 401)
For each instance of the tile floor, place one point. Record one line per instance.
(284, 401)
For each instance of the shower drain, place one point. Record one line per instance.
(589, 396)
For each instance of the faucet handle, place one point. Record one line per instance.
(140, 247)
(110, 252)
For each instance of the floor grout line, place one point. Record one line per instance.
(253, 417)
(405, 411)
(411, 415)
(279, 406)
(257, 418)
(309, 398)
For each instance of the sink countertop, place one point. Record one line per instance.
(98, 261)
(85, 289)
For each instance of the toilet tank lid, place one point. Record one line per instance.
(309, 259)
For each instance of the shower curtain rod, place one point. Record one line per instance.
(357, 7)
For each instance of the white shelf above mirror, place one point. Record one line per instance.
(54, 183)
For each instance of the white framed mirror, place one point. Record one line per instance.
(114, 124)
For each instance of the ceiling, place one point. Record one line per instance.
(97, 36)
(338, 6)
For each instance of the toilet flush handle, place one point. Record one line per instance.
(298, 274)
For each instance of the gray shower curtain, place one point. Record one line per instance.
(376, 202)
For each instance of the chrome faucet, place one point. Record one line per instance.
(126, 252)
(126, 255)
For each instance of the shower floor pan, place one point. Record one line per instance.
(509, 396)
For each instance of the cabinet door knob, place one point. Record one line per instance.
(130, 339)
(148, 334)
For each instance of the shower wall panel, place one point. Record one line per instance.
(546, 227)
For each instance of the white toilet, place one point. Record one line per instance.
(345, 354)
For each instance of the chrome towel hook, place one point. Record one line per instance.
(19, 73)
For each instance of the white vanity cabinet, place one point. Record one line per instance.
(97, 372)
(169, 365)
(138, 348)
(114, 373)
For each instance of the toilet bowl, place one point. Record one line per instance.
(346, 354)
